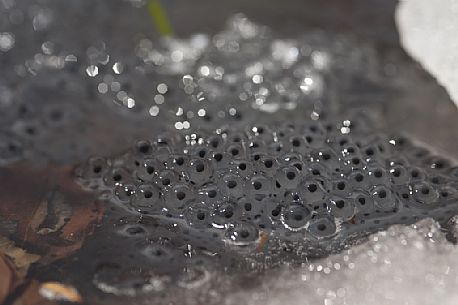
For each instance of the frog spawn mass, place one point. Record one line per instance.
(269, 195)
(248, 199)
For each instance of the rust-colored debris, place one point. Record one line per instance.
(60, 292)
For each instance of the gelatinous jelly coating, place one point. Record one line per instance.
(317, 190)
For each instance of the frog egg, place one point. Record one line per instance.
(179, 196)
(242, 167)
(236, 151)
(267, 165)
(399, 175)
(341, 187)
(437, 180)
(295, 217)
(299, 144)
(364, 202)
(327, 158)
(352, 164)
(209, 194)
(342, 208)
(377, 175)
(288, 177)
(232, 185)
(165, 178)
(250, 207)
(317, 169)
(260, 185)
(371, 152)
(214, 142)
(199, 170)
(226, 213)
(12, 150)
(273, 209)
(177, 163)
(143, 148)
(235, 137)
(416, 174)
(349, 150)
(259, 131)
(117, 176)
(148, 170)
(146, 198)
(242, 234)
(256, 145)
(93, 170)
(287, 158)
(262, 221)
(29, 130)
(311, 190)
(359, 179)
(198, 215)
(200, 151)
(448, 193)
(321, 227)
(220, 160)
(383, 198)
(124, 193)
(424, 193)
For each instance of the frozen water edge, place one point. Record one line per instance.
(403, 265)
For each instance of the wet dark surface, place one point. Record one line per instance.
(46, 213)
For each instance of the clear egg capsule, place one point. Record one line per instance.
(148, 169)
(199, 216)
(288, 177)
(232, 185)
(225, 213)
(93, 169)
(242, 234)
(342, 208)
(179, 196)
(322, 227)
(146, 199)
(117, 176)
(124, 193)
(199, 171)
(312, 190)
(383, 198)
(295, 217)
(425, 193)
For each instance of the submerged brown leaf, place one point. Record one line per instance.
(7, 278)
(51, 212)
(18, 256)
